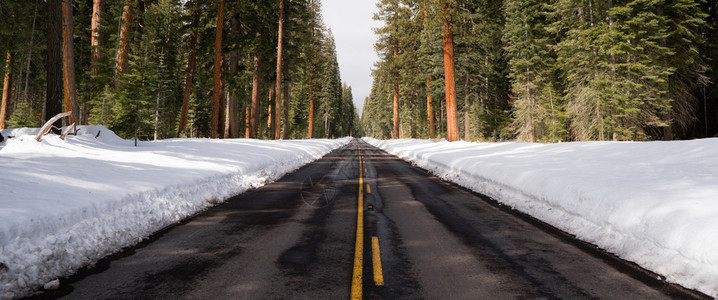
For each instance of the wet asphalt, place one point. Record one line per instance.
(295, 239)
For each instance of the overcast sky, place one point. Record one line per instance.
(351, 23)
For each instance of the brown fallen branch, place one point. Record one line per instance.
(48, 125)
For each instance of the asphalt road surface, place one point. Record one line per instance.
(419, 237)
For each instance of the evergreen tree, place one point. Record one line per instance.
(537, 109)
(396, 16)
(482, 59)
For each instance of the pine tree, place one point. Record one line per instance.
(532, 65)
(191, 60)
(393, 15)
(686, 24)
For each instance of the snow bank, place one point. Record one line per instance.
(653, 203)
(66, 204)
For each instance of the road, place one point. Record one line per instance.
(298, 239)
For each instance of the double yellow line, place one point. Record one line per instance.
(356, 291)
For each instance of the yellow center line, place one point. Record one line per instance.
(368, 189)
(359, 245)
(376, 259)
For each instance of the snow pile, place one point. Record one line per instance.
(653, 203)
(66, 204)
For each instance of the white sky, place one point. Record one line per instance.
(351, 23)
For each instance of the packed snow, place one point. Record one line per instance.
(65, 204)
(652, 203)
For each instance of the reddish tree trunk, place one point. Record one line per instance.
(68, 62)
(98, 6)
(452, 125)
(311, 106)
(247, 114)
(190, 71)
(430, 109)
(124, 49)
(5, 90)
(311, 99)
(278, 96)
(217, 90)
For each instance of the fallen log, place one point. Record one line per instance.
(48, 125)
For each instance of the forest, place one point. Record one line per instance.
(545, 70)
(153, 69)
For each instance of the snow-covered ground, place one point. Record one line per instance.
(66, 204)
(653, 203)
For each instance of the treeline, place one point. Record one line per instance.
(546, 70)
(168, 68)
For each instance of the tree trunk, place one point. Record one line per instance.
(5, 90)
(157, 115)
(452, 126)
(68, 62)
(442, 116)
(190, 71)
(230, 124)
(217, 90)
(270, 123)
(396, 108)
(430, 109)
(396, 90)
(278, 96)
(53, 96)
(326, 123)
(98, 6)
(247, 114)
(230, 115)
(285, 111)
(311, 101)
(254, 119)
(230, 127)
(122, 52)
(222, 109)
(467, 124)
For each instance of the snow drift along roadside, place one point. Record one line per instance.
(653, 203)
(67, 204)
